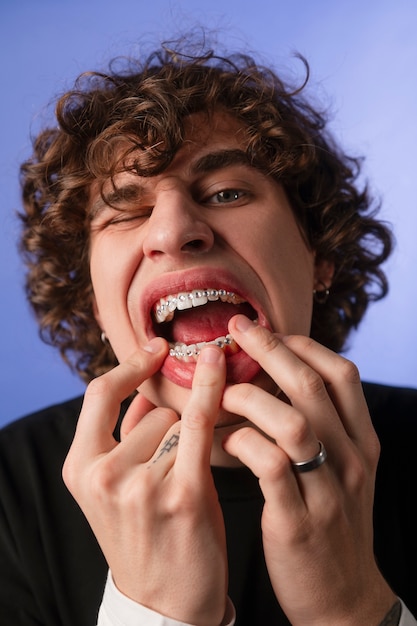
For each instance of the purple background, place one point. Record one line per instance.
(363, 57)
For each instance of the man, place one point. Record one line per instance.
(193, 214)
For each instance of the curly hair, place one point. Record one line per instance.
(144, 105)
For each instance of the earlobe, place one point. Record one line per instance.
(323, 275)
(103, 335)
(323, 278)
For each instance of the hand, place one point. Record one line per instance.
(150, 499)
(317, 527)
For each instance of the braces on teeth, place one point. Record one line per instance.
(191, 352)
(165, 308)
(164, 311)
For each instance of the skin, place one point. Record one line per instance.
(150, 499)
(182, 232)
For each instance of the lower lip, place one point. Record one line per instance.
(240, 369)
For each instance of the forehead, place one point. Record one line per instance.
(214, 132)
(204, 126)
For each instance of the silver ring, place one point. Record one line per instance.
(313, 463)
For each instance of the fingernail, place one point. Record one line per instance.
(243, 323)
(210, 354)
(154, 345)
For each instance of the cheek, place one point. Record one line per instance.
(113, 263)
(111, 271)
(286, 268)
(105, 287)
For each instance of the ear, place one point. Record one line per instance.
(323, 274)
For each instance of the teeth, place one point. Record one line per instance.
(184, 301)
(199, 298)
(164, 309)
(191, 352)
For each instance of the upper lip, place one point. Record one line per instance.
(188, 280)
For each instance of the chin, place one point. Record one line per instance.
(161, 391)
(164, 390)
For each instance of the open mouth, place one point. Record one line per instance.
(190, 320)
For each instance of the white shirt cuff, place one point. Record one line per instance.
(406, 618)
(118, 610)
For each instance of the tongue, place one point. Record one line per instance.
(205, 323)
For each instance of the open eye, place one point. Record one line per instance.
(226, 196)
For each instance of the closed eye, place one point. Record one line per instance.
(121, 216)
(131, 215)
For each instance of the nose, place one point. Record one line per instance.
(176, 227)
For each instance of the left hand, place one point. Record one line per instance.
(317, 526)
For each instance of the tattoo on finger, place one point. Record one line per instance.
(168, 445)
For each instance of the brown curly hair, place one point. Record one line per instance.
(144, 105)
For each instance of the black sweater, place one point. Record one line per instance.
(52, 571)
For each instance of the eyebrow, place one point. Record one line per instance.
(207, 163)
(127, 192)
(222, 158)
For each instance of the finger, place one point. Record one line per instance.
(339, 417)
(277, 419)
(138, 408)
(285, 367)
(342, 379)
(288, 496)
(200, 414)
(268, 462)
(303, 385)
(308, 373)
(166, 451)
(140, 446)
(104, 395)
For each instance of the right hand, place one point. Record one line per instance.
(150, 499)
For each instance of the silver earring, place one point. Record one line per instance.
(103, 337)
(320, 295)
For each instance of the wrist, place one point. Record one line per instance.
(118, 606)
